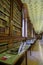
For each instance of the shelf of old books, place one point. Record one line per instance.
(5, 7)
(4, 16)
(3, 47)
(16, 19)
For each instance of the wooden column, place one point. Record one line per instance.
(11, 16)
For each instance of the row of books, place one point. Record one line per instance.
(15, 15)
(16, 33)
(16, 11)
(4, 30)
(3, 47)
(16, 19)
(5, 7)
(16, 28)
(16, 24)
(4, 27)
(4, 17)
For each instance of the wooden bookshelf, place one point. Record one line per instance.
(4, 17)
(10, 21)
(3, 47)
(16, 19)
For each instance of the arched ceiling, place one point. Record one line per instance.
(35, 10)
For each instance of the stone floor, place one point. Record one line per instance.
(36, 57)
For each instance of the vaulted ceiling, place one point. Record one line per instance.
(35, 12)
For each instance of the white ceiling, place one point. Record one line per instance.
(35, 10)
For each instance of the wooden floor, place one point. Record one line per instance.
(36, 57)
